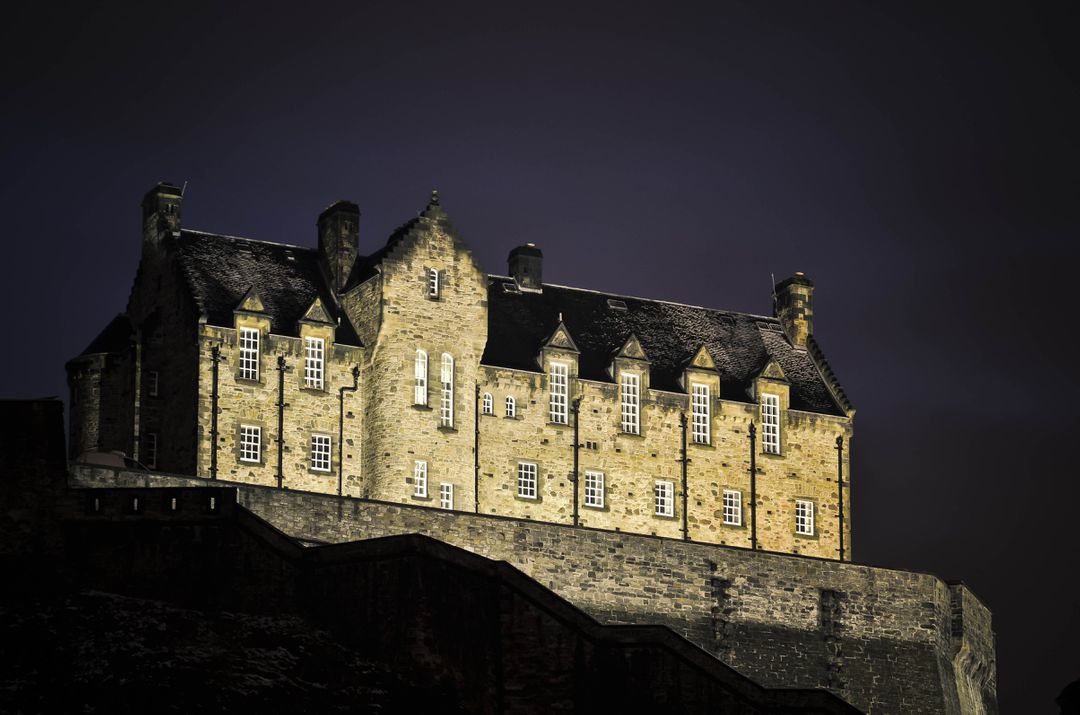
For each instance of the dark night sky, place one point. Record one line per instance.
(920, 164)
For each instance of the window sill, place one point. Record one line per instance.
(422, 408)
(249, 381)
(444, 428)
(315, 390)
(416, 497)
(592, 507)
(707, 445)
(633, 435)
(807, 537)
(667, 517)
(726, 525)
(532, 500)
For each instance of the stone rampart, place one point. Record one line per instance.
(887, 641)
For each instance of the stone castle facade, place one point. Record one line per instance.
(648, 462)
(410, 375)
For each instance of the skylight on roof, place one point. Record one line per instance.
(616, 304)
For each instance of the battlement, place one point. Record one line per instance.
(887, 641)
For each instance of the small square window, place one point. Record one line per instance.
(526, 480)
(804, 517)
(665, 498)
(320, 452)
(420, 479)
(250, 443)
(732, 507)
(594, 489)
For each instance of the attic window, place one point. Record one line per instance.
(616, 304)
(510, 288)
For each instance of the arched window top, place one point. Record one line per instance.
(489, 404)
(511, 406)
(447, 367)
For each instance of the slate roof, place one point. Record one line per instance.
(221, 269)
(519, 324)
(115, 338)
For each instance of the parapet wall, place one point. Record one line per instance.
(887, 641)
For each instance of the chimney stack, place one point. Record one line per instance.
(793, 305)
(160, 215)
(527, 267)
(339, 240)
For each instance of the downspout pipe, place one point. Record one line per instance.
(281, 405)
(576, 407)
(753, 486)
(840, 488)
(685, 490)
(341, 425)
(476, 450)
(215, 358)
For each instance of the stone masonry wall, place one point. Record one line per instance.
(631, 465)
(308, 411)
(887, 641)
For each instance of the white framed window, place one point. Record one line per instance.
(489, 404)
(420, 479)
(770, 423)
(700, 411)
(559, 387)
(320, 452)
(446, 496)
(149, 455)
(314, 354)
(511, 406)
(804, 517)
(433, 283)
(665, 498)
(250, 443)
(152, 384)
(446, 404)
(732, 507)
(631, 403)
(594, 489)
(420, 393)
(526, 480)
(249, 353)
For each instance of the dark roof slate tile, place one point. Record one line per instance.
(221, 270)
(741, 344)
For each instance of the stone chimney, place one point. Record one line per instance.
(793, 305)
(527, 267)
(161, 215)
(339, 240)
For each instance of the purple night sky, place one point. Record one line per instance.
(920, 165)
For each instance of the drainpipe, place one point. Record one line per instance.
(576, 407)
(840, 488)
(685, 494)
(281, 419)
(341, 424)
(476, 450)
(215, 358)
(753, 486)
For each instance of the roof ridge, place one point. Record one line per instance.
(245, 238)
(650, 300)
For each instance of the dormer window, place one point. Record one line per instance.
(559, 388)
(314, 351)
(433, 283)
(631, 403)
(249, 353)
(770, 423)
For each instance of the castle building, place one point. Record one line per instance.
(404, 373)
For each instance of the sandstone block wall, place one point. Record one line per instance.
(887, 641)
(308, 411)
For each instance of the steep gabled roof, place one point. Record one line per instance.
(115, 338)
(222, 270)
(671, 334)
